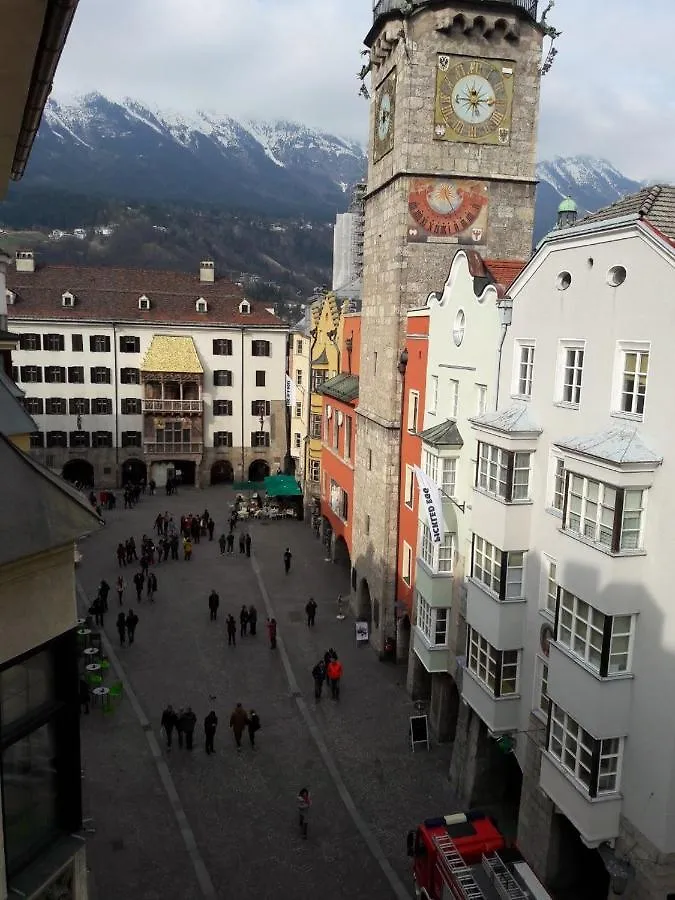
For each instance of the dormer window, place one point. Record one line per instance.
(201, 305)
(67, 299)
(244, 307)
(143, 302)
(10, 297)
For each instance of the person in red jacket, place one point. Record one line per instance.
(272, 631)
(334, 672)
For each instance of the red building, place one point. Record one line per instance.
(338, 444)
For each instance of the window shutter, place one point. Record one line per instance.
(595, 769)
(475, 479)
(502, 574)
(565, 496)
(618, 518)
(510, 460)
(606, 643)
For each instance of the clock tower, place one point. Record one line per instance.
(452, 152)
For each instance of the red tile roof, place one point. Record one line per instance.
(107, 294)
(505, 271)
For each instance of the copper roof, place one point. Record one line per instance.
(172, 353)
(111, 295)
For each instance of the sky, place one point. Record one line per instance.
(609, 93)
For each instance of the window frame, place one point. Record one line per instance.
(51, 441)
(432, 404)
(219, 405)
(427, 619)
(55, 375)
(481, 399)
(222, 439)
(124, 341)
(548, 601)
(413, 410)
(639, 349)
(30, 341)
(223, 378)
(260, 439)
(124, 406)
(489, 665)
(101, 440)
(580, 620)
(453, 399)
(130, 375)
(77, 343)
(406, 563)
(298, 377)
(34, 406)
(617, 513)
(79, 439)
(523, 376)
(30, 370)
(101, 406)
(298, 409)
(99, 343)
(58, 339)
(502, 566)
(557, 483)
(222, 347)
(99, 375)
(260, 377)
(62, 404)
(316, 424)
(314, 470)
(135, 441)
(566, 739)
(409, 487)
(570, 375)
(541, 702)
(497, 472)
(449, 486)
(261, 347)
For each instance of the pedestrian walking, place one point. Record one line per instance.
(231, 631)
(238, 721)
(243, 621)
(319, 676)
(168, 723)
(272, 632)
(96, 610)
(152, 586)
(248, 544)
(335, 674)
(252, 620)
(120, 587)
(310, 609)
(121, 555)
(103, 591)
(187, 549)
(179, 726)
(210, 527)
(214, 603)
(242, 543)
(253, 726)
(222, 543)
(139, 581)
(132, 622)
(230, 543)
(304, 802)
(189, 722)
(288, 556)
(121, 626)
(210, 724)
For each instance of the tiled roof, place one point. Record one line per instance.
(444, 435)
(513, 420)
(505, 271)
(322, 359)
(655, 203)
(343, 387)
(107, 294)
(172, 353)
(618, 445)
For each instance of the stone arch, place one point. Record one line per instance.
(258, 470)
(79, 471)
(134, 471)
(341, 555)
(364, 609)
(222, 472)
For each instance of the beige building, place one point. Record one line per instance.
(299, 368)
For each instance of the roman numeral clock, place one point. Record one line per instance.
(473, 100)
(385, 111)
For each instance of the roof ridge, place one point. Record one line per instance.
(650, 200)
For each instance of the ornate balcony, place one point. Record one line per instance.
(181, 449)
(173, 406)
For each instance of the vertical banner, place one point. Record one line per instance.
(290, 391)
(430, 499)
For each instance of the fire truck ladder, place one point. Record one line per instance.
(505, 884)
(461, 873)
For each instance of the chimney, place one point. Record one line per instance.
(207, 270)
(25, 261)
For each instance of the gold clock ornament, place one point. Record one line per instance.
(474, 99)
(385, 111)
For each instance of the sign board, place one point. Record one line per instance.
(419, 731)
(361, 630)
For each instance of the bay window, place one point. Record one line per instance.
(496, 669)
(432, 621)
(503, 473)
(594, 764)
(439, 557)
(431, 466)
(500, 571)
(609, 516)
(603, 642)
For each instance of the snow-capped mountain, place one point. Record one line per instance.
(126, 149)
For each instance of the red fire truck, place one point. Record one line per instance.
(465, 856)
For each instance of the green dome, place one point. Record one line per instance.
(568, 205)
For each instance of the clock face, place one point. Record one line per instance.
(458, 328)
(385, 110)
(474, 98)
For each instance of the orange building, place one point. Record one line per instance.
(338, 444)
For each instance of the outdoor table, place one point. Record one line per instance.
(84, 632)
(93, 667)
(80, 623)
(101, 693)
(91, 651)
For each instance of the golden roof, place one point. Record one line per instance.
(169, 353)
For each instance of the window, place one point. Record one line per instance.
(498, 570)
(132, 439)
(57, 439)
(319, 376)
(260, 378)
(348, 437)
(67, 299)
(432, 621)
(130, 406)
(37, 440)
(55, 374)
(101, 439)
(201, 306)
(634, 381)
(261, 408)
(260, 439)
(315, 425)
(76, 343)
(454, 398)
(406, 570)
(34, 406)
(446, 552)
(339, 501)
(244, 307)
(222, 378)
(592, 763)
(409, 487)
(550, 585)
(222, 347)
(130, 376)
(298, 377)
(481, 399)
(525, 370)
(496, 669)
(54, 342)
(222, 439)
(144, 302)
(79, 439)
(298, 409)
(101, 406)
(55, 406)
(315, 470)
(129, 344)
(542, 701)
(99, 375)
(431, 466)
(31, 374)
(609, 516)
(260, 348)
(439, 557)
(413, 407)
(572, 371)
(558, 486)
(99, 343)
(30, 342)
(604, 642)
(503, 473)
(433, 394)
(449, 477)
(222, 407)
(78, 406)
(297, 440)
(298, 347)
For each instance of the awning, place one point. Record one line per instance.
(282, 486)
(248, 485)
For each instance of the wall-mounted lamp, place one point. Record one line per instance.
(403, 362)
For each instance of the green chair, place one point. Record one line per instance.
(105, 666)
(116, 691)
(94, 680)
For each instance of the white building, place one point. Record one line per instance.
(343, 250)
(571, 629)
(132, 374)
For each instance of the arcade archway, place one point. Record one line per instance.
(79, 471)
(222, 472)
(341, 555)
(364, 606)
(258, 470)
(134, 471)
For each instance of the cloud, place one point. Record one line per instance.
(608, 93)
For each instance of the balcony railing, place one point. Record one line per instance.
(172, 406)
(381, 7)
(166, 449)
